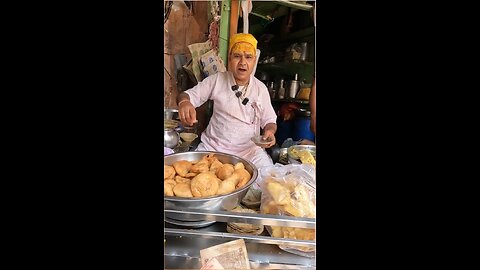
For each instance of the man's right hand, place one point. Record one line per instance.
(187, 113)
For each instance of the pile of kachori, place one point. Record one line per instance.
(203, 178)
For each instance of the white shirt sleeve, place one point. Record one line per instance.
(202, 92)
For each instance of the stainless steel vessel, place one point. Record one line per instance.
(170, 114)
(221, 202)
(170, 138)
(293, 87)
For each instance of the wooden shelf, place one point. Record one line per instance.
(304, 70)
(287, 65)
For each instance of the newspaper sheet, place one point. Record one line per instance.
(230, 255)
(212, 264)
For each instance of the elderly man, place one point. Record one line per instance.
(241, 106)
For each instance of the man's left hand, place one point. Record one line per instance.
(269, 135)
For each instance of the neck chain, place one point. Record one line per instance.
(244, 90)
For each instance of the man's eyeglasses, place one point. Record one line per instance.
(238, 94)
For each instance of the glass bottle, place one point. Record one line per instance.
(281, 89)
(271, 90)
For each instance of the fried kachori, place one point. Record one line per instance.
(234, 178)
(168, 187)
(215, 165)
(182, 190)
(204, 185)
(182, 167)
(180, 179)
(244, 177)
(201, 166)
(168, 172)
(225, 171)
(238, 166)
(226, 187)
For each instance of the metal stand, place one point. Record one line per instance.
(183, 245)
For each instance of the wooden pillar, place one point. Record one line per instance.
(234, 17)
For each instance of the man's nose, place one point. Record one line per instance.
(243, 60)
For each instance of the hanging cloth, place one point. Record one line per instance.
(246, 9)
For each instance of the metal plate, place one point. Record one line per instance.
(189, 224)
(258, 140)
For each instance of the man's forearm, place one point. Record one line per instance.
(182, 96)
(271, 126)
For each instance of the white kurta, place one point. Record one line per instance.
(233, 124)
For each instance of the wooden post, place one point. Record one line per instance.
(234, 17)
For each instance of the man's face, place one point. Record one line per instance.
(241, 61)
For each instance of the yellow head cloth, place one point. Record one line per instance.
(241, 37)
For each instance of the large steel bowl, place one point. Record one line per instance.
(220, 202)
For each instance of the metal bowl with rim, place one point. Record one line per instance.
(292, 159)
(220, 202)
(170, 124)
(170, 114)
